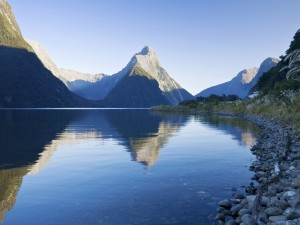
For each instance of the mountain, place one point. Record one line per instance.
(77, 82)
(242, 83)
(144, 83)
(74, 80)
(24, 81)
(88, 86)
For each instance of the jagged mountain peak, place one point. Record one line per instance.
(147, 50)
(147, 60)
(143, 83)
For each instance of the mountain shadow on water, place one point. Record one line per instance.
(24, 134)
(23, 137)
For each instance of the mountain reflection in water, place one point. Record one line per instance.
(29, 138)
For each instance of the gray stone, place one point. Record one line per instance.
(218, 222)
(286, 223)
(295, 156)
(227, 212)
(277, 218)
(225, 203)
(279, 203)
(246, 219)
(289, 194)
(220, 209)
(273, 211)
(250, 199)
(243, 212)
(263, 217)
(220, 216)
(296, 163)
(296, 183)
(265, 201)
(235, 210)
(260, 223)
(272, 190)
(260, 174)
(231, 222)
(291, 213)
(235, 201)
(239, 196)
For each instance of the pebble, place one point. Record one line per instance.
(246, 219)
(274, 211)
(239, 196)
(243, 212)
(277, 218)
(225, 203)
(277, 171)
(230, 222)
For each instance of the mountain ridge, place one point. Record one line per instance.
(243, 82)
(100, 87)
(145, 79)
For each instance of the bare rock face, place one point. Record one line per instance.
(41, 52)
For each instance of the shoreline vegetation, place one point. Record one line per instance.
(274, 199)
(285, 107)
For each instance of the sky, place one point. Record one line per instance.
(200, 43)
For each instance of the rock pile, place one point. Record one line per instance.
(274, 198)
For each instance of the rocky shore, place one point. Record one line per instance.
(273, 198)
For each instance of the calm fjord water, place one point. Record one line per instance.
(118, 167)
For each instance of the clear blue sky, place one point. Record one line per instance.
(199, 42)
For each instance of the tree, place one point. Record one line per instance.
(293, 67)
(295, 44)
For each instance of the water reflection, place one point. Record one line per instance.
(241, 130)
(29, 138)
(25, 133)
(10, 182)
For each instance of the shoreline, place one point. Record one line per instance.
(275, 199)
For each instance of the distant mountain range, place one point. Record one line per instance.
(242, 83)
(142, 83)
(29, 78)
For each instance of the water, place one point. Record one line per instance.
(118, 167)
